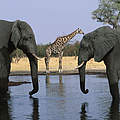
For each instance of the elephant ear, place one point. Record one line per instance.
(104, 41)
(16, 35)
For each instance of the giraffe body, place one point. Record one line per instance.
(57, 47)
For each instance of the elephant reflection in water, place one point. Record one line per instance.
(112, 115)
(83, 113)
(6, 109)
(35, 114)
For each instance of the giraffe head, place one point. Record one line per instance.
(79, 31)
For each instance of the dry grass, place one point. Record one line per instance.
(69, 63)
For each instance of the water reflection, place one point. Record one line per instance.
(60, 99)
(7, 109)
(83, 113)
(48, 79)
(35, 113)
(60, 79)
(54, 88)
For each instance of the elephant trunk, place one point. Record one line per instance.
(82, 78)
(34, 73)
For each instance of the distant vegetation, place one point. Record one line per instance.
(108, 12)
(41, 50)
(70, 50)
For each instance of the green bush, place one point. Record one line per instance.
(70, 50)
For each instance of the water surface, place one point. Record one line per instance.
(59, 98)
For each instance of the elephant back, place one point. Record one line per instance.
(5, 32)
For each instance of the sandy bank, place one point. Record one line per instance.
(69, 64)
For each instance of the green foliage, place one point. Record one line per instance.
(41, 50)
(108, 12)
(17, 55)
(70, 50)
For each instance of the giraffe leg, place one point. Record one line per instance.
(47, 60)
(60, 61)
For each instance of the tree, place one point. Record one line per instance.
(108, 12)
(17, 55)
(72, 49)
(41, 50)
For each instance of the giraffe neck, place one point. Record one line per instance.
(70, 36)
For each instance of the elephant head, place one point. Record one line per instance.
(22, 37)
(97, 45)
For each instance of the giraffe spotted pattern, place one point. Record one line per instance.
(57, 47)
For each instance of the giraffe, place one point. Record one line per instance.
(57, 47)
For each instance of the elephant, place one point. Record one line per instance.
(13, 35)
(102, 44)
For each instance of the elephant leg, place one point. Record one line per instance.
(113, 84)
(114, 90)
(3, 85)
(3, 80)
(60, 61)
(47, 60)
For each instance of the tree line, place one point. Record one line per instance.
(70, 50)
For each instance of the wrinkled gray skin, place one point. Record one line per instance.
(102, 44)
(14, 35)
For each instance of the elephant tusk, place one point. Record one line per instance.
(36, 57)
(79, 66)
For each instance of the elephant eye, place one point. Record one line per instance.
(30, 37)
(27, 38)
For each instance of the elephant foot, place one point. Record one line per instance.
(33, 92)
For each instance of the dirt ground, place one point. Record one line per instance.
(69, 63)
